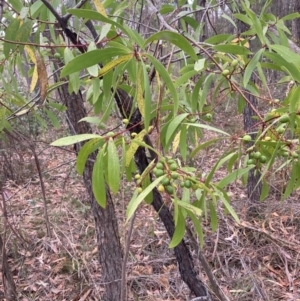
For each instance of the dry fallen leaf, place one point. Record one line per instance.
(42, 76)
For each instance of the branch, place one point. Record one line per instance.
(59, 19)
(160, 17)
(67, 16)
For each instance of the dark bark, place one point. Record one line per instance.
(183, 255)
(201, 17)
(182, 252)
(108, 241)
(296, 23)
(250, 125)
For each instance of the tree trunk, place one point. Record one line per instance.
(253, 187)
(108, 241)
(182, 252)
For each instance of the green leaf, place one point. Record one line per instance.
(173, 126)
(53, 119)
(213, 217)
(220, 162)
(291, 184)
(251, 66)
(291, 16)
(147, 98)
(190, 207)
(23, 33)
(280, 62)
(176, 39)
(206, 89)
(287, 54)
(220, 38)
(10, 34)
(98, 183)
(233, 49)
(198, 227)
(166, 8)
(16, 4)
(93, 15)
(264, 190)
(243, 18)
(84, 153)
(168, 81)
(203, 146)
(226, 17)
(35, 8)
(179, 231)
(74, 82)
(234, 176)
(74, 139)
(225, 200)
(206, 127)
(199, 65)
(134, 146)
(113, 167)
(136, 200)
(91, 58)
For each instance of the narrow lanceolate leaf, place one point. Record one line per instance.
(100, 8)
(190, 207)
(74, 139)
(30, 53)
(168, 81)
(98, 183)
(235, 175)
(174, 124)
(179, 231)
(233, 49)
(10, 35)
(111, 65)
(176, 39)
(34, 79)
(213, 217)
(287, 54)
(147, 98)
(198, 227)
(175, 143)
(137, 199)
(53, 119)
(93, 15)
(84, 153)
(139, 93)
(207, 127)
(134, 146)
(113, 167)
(91, 58)
(42, 74)
(225, 200)
(251, 66)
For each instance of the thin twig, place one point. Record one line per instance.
(10, 290)
(38, 166)
(160, 17)
(123, 280)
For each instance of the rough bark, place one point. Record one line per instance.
(250, 125)
(108, 241)
(124, 103)
(182, 252)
